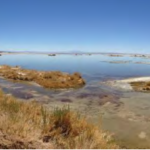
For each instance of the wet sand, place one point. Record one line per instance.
(131, 121)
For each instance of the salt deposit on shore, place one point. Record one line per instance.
(138, 84)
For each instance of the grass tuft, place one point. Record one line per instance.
(62, 128)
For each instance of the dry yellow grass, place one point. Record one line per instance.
(35, 127)
(47, 79)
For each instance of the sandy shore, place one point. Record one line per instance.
(131, 84)
(136, 79)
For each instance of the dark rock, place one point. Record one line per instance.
(66, 100)
(22, 95)
(51, 54)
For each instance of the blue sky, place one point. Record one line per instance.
(68, 25)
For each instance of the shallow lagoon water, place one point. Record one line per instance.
(124, 113)
(88, 66)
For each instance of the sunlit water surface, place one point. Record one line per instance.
(89, 66)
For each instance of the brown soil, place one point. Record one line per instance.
(141, 86)
(49, 79)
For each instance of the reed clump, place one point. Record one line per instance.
(141, 86)
(47, 79)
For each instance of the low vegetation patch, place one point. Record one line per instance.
(31, 125)
(143, 86)
(47, 79)
(115, 55)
